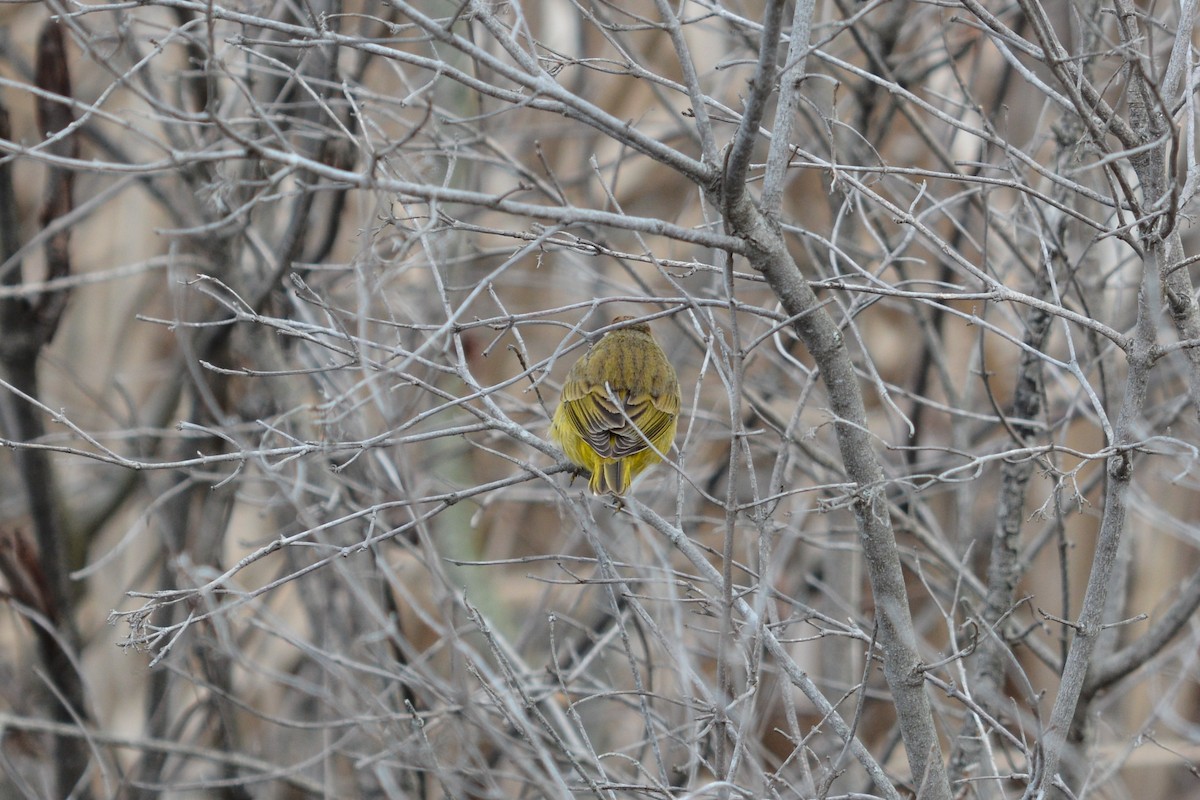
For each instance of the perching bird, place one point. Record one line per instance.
(619, 398)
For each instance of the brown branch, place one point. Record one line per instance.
(26, 327)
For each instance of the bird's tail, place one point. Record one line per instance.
(613, 477)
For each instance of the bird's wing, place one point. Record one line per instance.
(615, 435)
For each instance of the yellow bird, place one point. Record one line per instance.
(619, 408)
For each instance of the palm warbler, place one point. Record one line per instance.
(618, 409)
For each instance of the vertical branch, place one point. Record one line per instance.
(26, 327)
(1177, 283)
(54, 121)
(768, 253)
(790, 79)
(1004, 567)
(737, 160)
(1150, 164)
(733, 188)
(708, 145)
(1089, 626)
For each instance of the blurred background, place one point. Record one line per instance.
(286, 298)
